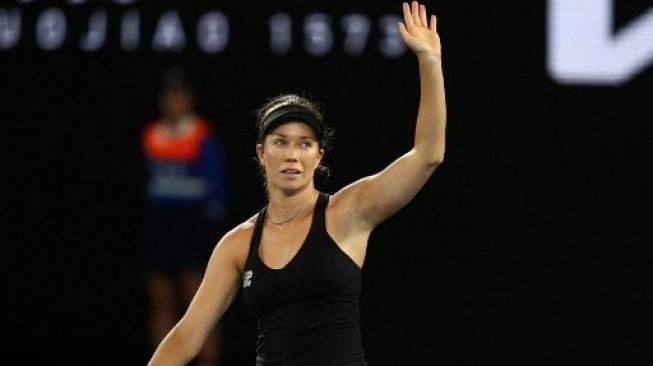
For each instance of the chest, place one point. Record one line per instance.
(280, 244)
(305, 267)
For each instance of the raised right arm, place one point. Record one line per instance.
(214, 296)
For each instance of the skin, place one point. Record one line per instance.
(353, 212)
(175, 104)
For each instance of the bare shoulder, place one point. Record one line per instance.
(242, 232)
(342, 220)
(235, 243)
(343, 199)
(343, 203)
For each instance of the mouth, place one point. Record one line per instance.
(291, 172)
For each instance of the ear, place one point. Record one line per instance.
(320, 155)
(260, 153)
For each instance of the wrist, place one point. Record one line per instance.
(429, 57)
(429, 62)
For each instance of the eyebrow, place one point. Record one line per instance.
(300, 137)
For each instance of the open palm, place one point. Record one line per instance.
(420, 36)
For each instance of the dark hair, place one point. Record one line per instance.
(283, 100)
(176, 79)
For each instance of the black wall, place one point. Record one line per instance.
(530, 244)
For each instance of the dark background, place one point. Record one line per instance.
(530, 245)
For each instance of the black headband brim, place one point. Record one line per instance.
(291, 113)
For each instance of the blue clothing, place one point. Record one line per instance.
(186, 193)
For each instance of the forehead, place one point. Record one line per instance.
(294, 129)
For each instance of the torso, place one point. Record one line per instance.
(304, 289)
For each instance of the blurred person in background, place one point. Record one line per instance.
(186, 192)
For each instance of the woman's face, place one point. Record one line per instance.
(290, 154)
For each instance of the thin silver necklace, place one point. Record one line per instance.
(267, 212)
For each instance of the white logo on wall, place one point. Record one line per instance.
(583, 49)
(247, 278)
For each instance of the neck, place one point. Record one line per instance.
(285, 205)
(176, 123)
(283, 200)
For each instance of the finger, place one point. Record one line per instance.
(415, 12)
(434, 23)
(408, 20)
(403, 31)
(422, 16)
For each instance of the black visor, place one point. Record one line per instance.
(291, 113)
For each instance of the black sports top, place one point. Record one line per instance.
(307, 311)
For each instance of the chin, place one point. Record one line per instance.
(292, 187)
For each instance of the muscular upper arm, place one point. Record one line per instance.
(372, 199)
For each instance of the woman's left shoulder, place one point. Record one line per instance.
(343, 199)
(340, 215)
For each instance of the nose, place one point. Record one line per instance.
(291, 153)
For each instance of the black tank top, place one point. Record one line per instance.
(307, 311)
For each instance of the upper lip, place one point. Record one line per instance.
(291, 169)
